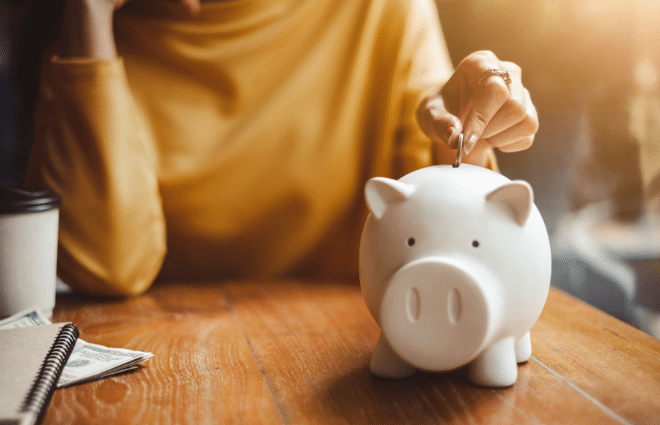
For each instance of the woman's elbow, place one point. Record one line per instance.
(110, 277)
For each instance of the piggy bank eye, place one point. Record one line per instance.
(475, 243)
(411, 241)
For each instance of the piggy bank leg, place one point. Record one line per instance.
(497, 366)
(385, 363)
(523, 349)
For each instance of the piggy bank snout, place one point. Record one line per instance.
(437, 314)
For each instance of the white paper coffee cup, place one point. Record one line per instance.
(29, 219)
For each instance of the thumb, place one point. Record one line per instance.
(437, 123)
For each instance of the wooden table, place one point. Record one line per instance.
(298, 353)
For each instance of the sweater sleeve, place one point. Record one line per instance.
(90, 148)
(424, 67)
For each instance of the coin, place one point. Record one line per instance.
(459, 151)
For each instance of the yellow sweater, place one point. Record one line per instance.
(234, 144)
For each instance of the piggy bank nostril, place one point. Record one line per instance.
(413, 302)
(454, 306)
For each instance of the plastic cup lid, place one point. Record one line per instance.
(15, 200)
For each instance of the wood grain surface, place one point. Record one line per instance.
(298, 353)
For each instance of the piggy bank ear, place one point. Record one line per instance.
(381, 192)
(516, 197)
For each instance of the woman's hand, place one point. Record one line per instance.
(485, 107)
(87, 27)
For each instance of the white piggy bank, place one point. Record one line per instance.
(455, 268)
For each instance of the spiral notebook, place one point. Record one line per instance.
(31, 361)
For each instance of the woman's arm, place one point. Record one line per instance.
(87, 29)
(93, 147)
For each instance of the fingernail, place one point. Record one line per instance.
(449, 134)
(470, 144)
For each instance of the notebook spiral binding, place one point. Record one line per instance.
(46, 381)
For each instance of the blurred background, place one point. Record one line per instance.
(593, 70)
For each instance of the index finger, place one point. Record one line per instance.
(489, 92)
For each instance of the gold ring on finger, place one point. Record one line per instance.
(494, 71)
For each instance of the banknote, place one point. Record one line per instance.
(88, 361)
(25, 318)
(91, 361)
